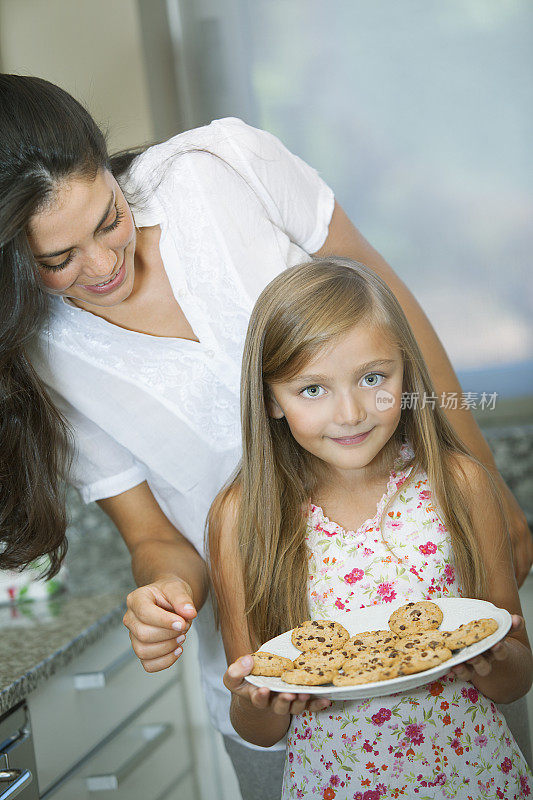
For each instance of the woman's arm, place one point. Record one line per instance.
(171, 575)
(258, 715)
(505, 672)
(345, 240)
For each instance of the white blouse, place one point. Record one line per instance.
(166, 410)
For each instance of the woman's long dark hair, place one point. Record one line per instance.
(46, 136)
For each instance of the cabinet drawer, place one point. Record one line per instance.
(184, 789)
(149, 759)
(85, 701)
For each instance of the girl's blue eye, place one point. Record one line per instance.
(312, 391)
(372, 379)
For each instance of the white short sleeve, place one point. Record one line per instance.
(296, 197)
(101, 467)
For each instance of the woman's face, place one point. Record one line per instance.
(83, 241)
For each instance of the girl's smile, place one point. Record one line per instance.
(331, 407)
(351, 440)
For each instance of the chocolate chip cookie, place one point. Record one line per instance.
(320, 634)
(415, 617)
(269, 664)
(471, 632)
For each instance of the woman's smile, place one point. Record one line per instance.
(110, 285)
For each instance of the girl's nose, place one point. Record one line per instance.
(350, 410)
(99, 265)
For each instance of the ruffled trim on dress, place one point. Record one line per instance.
(319, 521)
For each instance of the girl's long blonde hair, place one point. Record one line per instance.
(300, 311)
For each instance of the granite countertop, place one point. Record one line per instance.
(40, 637)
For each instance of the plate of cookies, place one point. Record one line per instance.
(379, 650)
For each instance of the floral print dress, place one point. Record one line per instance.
(441, 740)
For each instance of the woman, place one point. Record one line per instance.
(129, 282)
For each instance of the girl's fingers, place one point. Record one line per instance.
(319, 704)
(281, 703)
(461, 672)
(259, 697)
(500, 651)
(235, 673)
(480, 665)
(299, 705)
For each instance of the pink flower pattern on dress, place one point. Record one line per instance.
(441, 740)
(354, 576)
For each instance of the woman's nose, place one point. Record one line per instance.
(350, 409)
(99, 264)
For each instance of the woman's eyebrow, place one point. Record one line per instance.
(366, 367)
(100, 223)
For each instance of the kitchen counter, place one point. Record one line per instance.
(40, 637)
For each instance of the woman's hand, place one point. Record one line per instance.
(262, 698)
(158, 617)
(481, 665)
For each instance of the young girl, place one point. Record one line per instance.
(348, 497)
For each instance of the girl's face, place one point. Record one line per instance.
(346, 403)
(83, 242)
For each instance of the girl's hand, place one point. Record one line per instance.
(482, 665)
(158, 617)
(262, 698)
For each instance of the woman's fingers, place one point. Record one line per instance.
(179, 595)
(150, 651)
(148, 634)
(157, 632)
(157, 664)
(155, 605)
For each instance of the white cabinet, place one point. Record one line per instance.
(104, 728)
(149, 755)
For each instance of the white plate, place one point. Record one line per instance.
(456, 611)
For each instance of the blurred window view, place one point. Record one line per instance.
(419, 115)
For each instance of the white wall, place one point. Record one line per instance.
(91, 48)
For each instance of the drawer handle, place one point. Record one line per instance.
(20, 779)
(153, 736)
(9, 775)
(100, 678)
